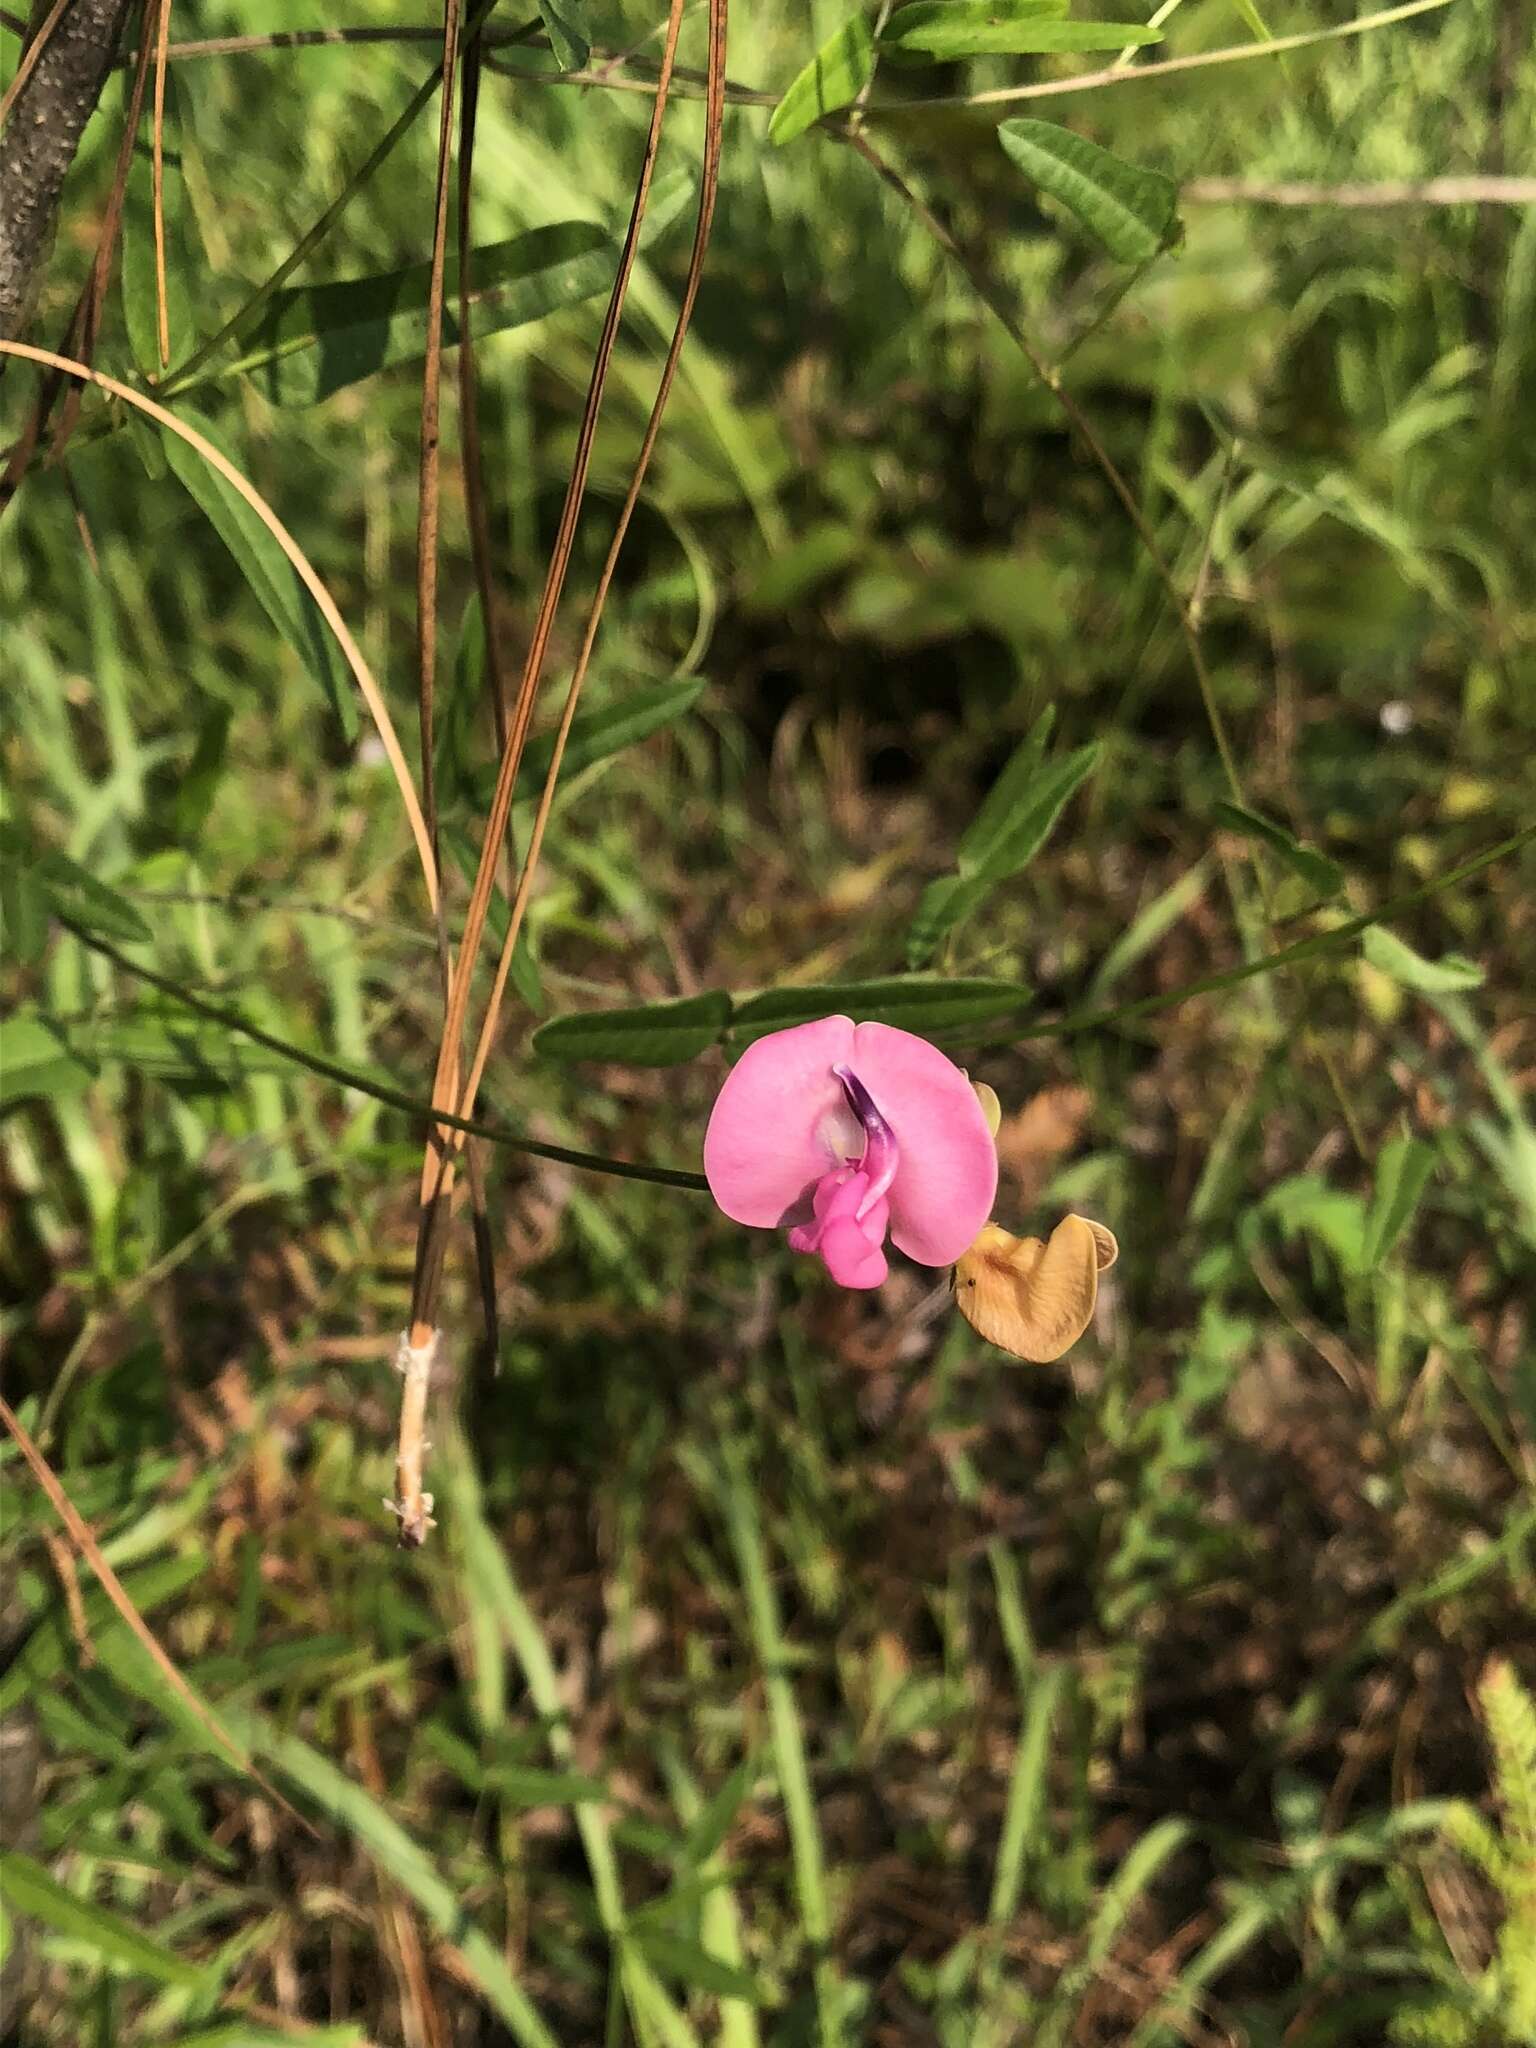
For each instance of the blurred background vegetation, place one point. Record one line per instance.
(789, 1666)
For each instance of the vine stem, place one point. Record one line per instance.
(375, 1089)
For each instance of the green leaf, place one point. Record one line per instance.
(596, 734)
(272, 577)
(316, 340)
(946, 30)
(1305, 1205)
(944, 905)
(1402, 1173)
(834, 78)
(688, 1964)
(651, 1035)
(30, 1889)
(806, 562)
(1014, 822)
(36, 1060)
(1130, 211)
(526, 1785)
(38, 883)
(1147, 929)
(710, 1826)
(198, 783)
(1006, 798)
(915, 1002)
(1254, 22)
(1449, 975)
(1322, 875)
(567, 35)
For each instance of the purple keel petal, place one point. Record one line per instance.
(947, 1176)
(781, 1122)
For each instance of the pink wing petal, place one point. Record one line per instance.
(947, 1178)
(775, 1126)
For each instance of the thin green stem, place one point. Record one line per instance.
(1313, 948)
(375, 1089)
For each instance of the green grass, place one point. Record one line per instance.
(788, 1667)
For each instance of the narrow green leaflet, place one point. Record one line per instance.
(945, 905)
(38, 884)
(1147, 928)
(1130, 211)
(1451, 974)
(316, 340)
(273, 579)
(650, 1035)
(597, 734)
(1016, 834)
(686, 1963)
(834, 78)
(996, 810)
(1014, 822)
(915, 1002)
(1032, 819)
(36, 1060)
(1402, 1174)
(31, 1891)
(1254, 22)
(946, 30)
(1320, 874)
(567, 34)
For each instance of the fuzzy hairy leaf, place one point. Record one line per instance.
(914, 1002)
(1130, 211)
(648, 1035)
(835, 77)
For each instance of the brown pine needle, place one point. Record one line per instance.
(162, 311)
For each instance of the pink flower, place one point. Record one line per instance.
(839, 1131)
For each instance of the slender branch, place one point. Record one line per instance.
(689, 84)
(1473, 190)
(1200, 60)
(1187, 610)
(1317, 946)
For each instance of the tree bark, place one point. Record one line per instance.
(42, 133)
